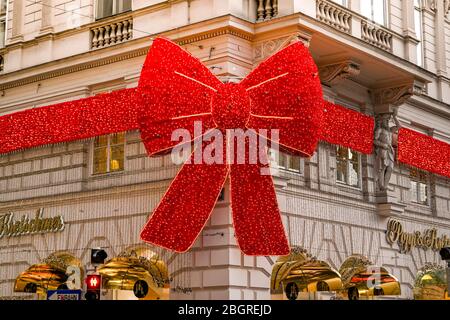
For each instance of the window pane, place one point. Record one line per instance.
(2, 33)
(341, 2)
(366, 9)
(3, 7)
(282, 160)
(378, 11)
(341, 171)
(354, 174)
(423, 191)
(124, 5)
(117, 138)
(100, 160)
(101, 141)
(418, 30)
(117, 156)
(414, 191)
(294, 163)
(104, 8)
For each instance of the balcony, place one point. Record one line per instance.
(111, 33)
(376, 35)
(267, 10)
(334, 16)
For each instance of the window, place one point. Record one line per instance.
(2, 22)
(418, 30)
(287, 161)
(375, 10)
(108, 153)
(341, 2)
(348, 166)
(419, 186)
(107, 8)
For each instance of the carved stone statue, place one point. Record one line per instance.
(384, 148)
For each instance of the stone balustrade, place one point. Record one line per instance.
(267, 9)
(111, 33)
(332, 15)
(376, 35)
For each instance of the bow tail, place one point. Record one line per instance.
(256, 217)
(182, 213)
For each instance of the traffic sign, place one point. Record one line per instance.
(64, 295)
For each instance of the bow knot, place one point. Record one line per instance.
(231, 106)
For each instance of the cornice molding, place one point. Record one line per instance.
(123, 56)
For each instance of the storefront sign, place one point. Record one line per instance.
(10, 227)
(427, 239)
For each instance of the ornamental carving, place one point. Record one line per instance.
(396, 95)
(268, 48)
(333, 73)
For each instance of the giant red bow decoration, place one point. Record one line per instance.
(174, 91)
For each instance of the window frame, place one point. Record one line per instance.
(288, 157)
(3, 21)
(420, 46)
(420, 178)
(385, 22)
(108, 155)
(347, 175)
(344, 3)
(114, 6)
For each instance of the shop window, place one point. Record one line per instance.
(375, 10)
(108, 153)
(107, 8)
(418, 30)
(348, 165)
(2, 22)
(419, 186)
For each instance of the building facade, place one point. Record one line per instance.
(384, 58)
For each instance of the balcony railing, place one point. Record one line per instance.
(267, 9)
(333, 15)
(112, 33)
(376, 36)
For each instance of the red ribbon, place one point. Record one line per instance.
(174, 91)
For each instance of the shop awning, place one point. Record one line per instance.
(124, 271)
(48, 275)
(363, 279)
(307, 273)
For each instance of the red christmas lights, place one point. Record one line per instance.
(424, 152)
(174, 91)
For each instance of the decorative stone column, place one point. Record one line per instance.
(17, 21)
(409, 32)
(47, 14)
(386, 101)
(441, 62)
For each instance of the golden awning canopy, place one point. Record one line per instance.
(123, 271)
(300, 272)
(363, 279)
(48, 275)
